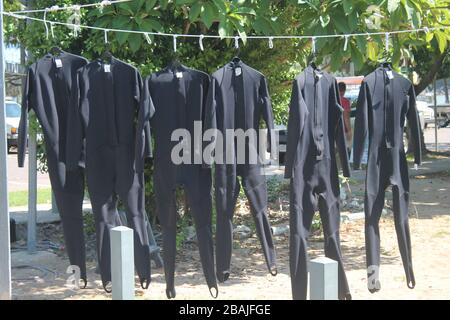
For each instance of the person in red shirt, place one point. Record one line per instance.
(347, 109)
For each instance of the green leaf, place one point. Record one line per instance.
(361, 43)
(223, 28)
(353, 21)
(122, 37)
(416, 20)
(120, 22)
(372, 51)
(126, 8)
(348, 6)
(163, 4)
(208, 14)
(135, 41)
(240, 30)
(324, 20)
(429, 36)
(136, 5)
(150, 4)
(262, 25)
(150, 25)
(393, 5)
(441, 38)
(220, 4)
(340, 22)
(245, 10)
(357, 57)
(194, 12)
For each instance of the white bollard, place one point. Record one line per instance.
(323, 279)
(122, 263)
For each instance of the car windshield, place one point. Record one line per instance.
(12, 110)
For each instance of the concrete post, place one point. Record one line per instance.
(122, 263)
(323, 279)
(32, 192)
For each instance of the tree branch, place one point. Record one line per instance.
(428, 78)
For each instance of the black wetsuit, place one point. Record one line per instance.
(47, 92)
(104, 112)
(238, 98)
(176, 99)
(383, 106)
(315, 126)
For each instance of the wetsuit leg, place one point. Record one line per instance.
(104, 208)
(69, 201)
(198, 191)
(400, 208)
(135, 210)
(373, 204)
(301, 211)
(255, 188)
(331, 219)
(226, 191)
(167, 215)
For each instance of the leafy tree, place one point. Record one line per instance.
(252, 17)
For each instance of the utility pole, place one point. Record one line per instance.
(5, 252)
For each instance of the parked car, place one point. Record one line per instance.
(13, 111)
(426, 113)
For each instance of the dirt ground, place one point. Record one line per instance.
(430, 231)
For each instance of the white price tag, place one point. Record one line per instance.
(107, 67)
(390, 74)
(238, 71)
(179, 75)
(58, 63)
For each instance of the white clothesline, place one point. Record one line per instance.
(146, 34)
(74, 7)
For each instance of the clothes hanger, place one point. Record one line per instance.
(236, 57)
(312, 57)
(107, 55)
(386, 61)
(55, 50)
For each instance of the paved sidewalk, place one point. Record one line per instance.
(44, 213)
(427, 167)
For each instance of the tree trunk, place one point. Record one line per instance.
(428, 78)
(446, 90)
(425, 81)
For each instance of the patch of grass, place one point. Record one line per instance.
(20, 198)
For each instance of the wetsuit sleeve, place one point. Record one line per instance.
(143, 129)
(340, 134)
(414, 125)
(298, 112)
(75, 130)
(23, 124)
(361, 124)
(268, 117)
(146, 110)
(210, 120)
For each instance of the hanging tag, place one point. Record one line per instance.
(58, 63)
(416, 166)
(107, 67)
(238, 71)
(179, 75)
(390, 74)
